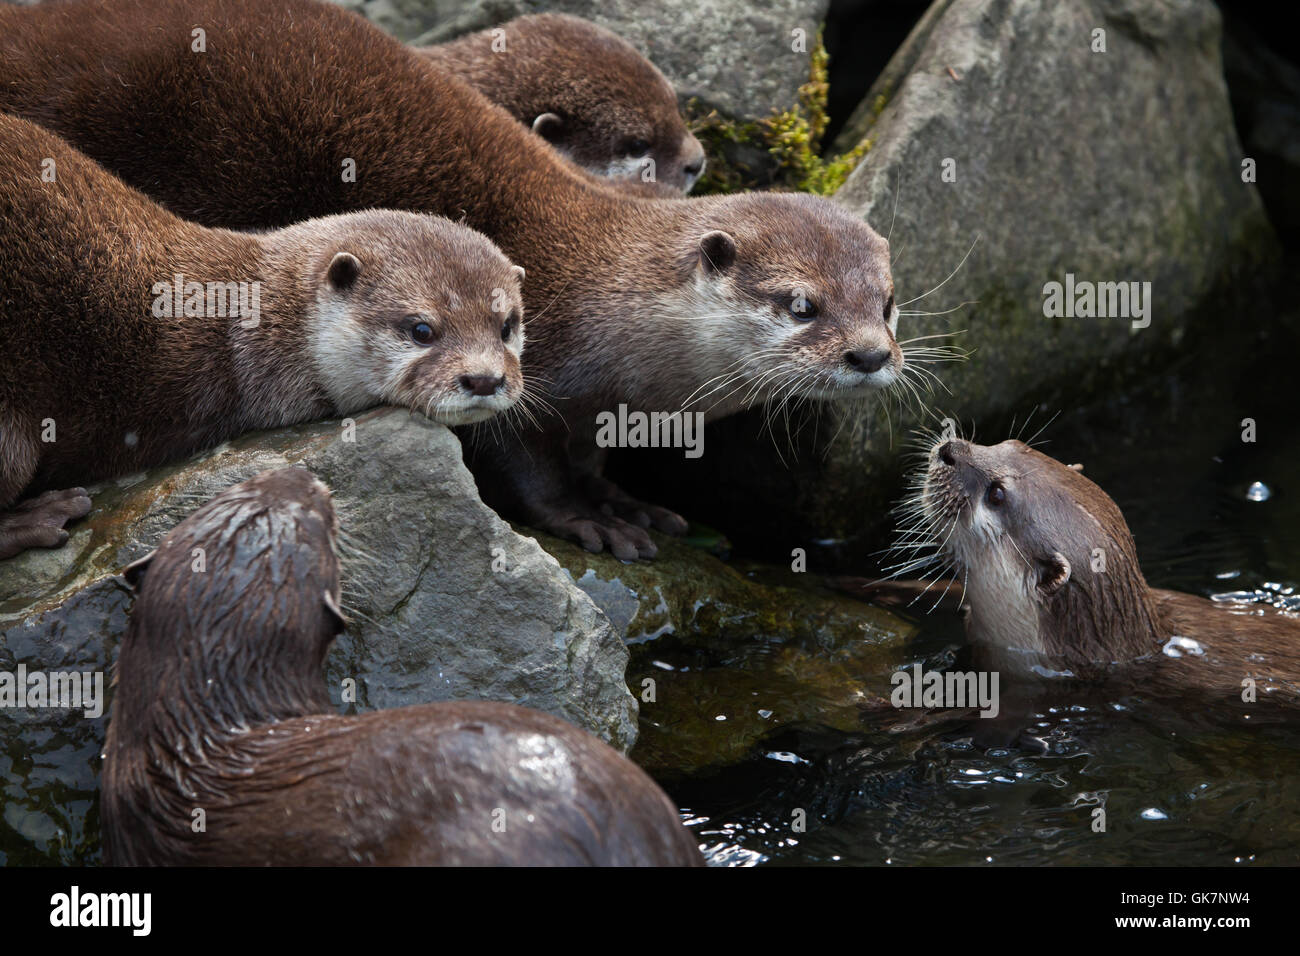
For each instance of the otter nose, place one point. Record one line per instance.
(951, 451)
(867, 361)
(482, 384)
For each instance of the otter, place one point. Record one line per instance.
(583, 89)
(133, 337)
(699, 305)
(221, 707)
(1047, 576)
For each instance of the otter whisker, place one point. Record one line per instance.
(945, 281)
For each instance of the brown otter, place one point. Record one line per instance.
(705, 304)
(224, 749)
(585, 90)
(132, 337)
(1047, 575)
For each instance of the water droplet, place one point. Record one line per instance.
(1258, 491)
(1177, 646)
(1151, 813)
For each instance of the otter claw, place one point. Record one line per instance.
(626, 542)
(38, 522)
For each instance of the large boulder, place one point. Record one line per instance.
(1115, 166)
(446, 603)
(736, 56)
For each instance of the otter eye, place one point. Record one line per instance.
(422, 333)
(803, 309)
(638, 148)
(996, 495)
(508, 329)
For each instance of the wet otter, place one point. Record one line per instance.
(133, 337)
(221, 715)
(1047, 574)
(583, 89)
(700, 305)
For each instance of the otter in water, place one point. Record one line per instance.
(700, 306)
(583, 89)
(132, 337)
(221, 714)
(1047, 576)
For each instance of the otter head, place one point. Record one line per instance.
(1046, 558)
(416, 311)
(794, 298)
(592, 96)
(235, 610)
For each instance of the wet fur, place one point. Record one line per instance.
(1021, 616)
(221, 704)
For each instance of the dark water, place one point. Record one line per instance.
(1179, 785)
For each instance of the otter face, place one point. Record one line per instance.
(1033, 541)
(612, 141)
(428, 316)
(797, 300)
(592, 96)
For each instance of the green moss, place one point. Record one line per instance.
(787, 143)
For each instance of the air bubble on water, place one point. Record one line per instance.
(785, 756)
(1151, 813)
(765, 714)
(1258, 491)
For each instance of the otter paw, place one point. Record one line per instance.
(615, 502)
(38, 522)
(625, 541)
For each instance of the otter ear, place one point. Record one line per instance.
(343, 271)
(1052, 574)
(336, 613)
(717, 251)
(135, 571)
(519, 271)
(548, 126)
(1077, 466)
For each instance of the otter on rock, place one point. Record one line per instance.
(697, 305)
(583, 89)
(132, 337)
(221, 705)
(1049, 581)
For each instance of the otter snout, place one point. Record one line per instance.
(482, 384)
(695, 161)
(867, 361)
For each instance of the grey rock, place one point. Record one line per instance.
(431, 618)
(732, 55)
